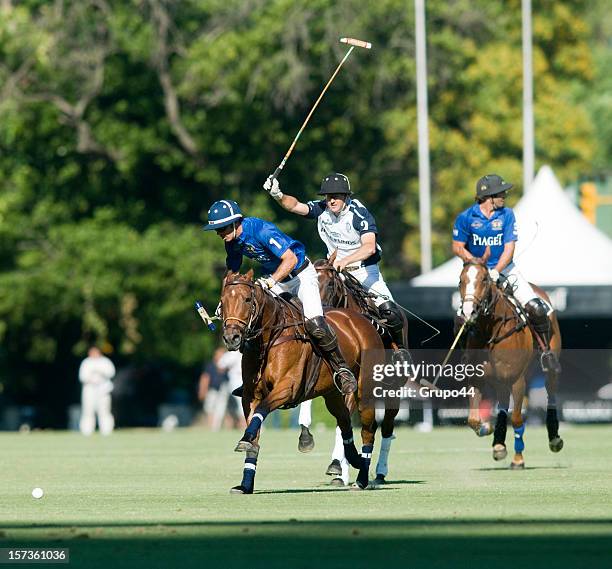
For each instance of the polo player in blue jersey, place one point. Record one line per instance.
(287, 270)
(488, 223)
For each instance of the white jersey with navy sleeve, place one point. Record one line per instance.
(343, 232)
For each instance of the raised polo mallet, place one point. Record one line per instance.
(353, 43)
(207, 319)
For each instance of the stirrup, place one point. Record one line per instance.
(401, 355)
(348, 384)
(549, 362)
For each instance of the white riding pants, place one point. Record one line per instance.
(372, 280)
(306, 287)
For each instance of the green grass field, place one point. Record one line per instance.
(145, 498)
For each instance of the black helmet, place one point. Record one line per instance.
(490, 185)
(335, 184)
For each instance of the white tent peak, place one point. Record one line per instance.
(556, 246)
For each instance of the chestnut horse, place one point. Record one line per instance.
(280, 369)
(496, 327)
(343, 291)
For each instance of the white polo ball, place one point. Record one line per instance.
(37, 493)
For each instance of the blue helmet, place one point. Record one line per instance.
(223, 213)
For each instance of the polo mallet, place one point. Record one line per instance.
(353, 43)
(204, 315)
(430, 385)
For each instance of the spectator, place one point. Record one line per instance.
(213, 391)
(95, 373)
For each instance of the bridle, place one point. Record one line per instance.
(245, 326)
(483, 305)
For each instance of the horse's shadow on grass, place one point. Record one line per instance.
(507, 468)
(322, 489)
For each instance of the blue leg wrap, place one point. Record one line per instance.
(248, 474)
(364, 471)
(519, 443)
(251, 431)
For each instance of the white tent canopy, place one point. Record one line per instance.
(556, 246)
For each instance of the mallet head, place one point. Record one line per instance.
(357, 43)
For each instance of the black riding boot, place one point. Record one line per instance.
(394, 322)
(326, 340)
(537, 311)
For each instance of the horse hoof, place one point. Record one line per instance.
(244, 446)
(485, 430)
(555, 444)
(517, 466)
(338, 482)
(240, 490)
(358, 486)
(499, 452)
(334, 468)
(306, 441)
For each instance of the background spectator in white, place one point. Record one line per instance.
(96, 373)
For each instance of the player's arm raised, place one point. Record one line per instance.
(286, 201)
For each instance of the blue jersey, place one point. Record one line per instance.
(477, 231)
(265, 243)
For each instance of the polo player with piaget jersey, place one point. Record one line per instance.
(288, 270)
(488, 223)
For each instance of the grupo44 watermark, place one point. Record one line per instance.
(584, 384)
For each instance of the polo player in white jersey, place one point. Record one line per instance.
(348, 228)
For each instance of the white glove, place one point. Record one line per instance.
(266, 282)
(494, 275)
(272, 186)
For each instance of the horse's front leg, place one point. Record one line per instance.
(501, 423)
(474, 421)
(518, 393)
(256, 411)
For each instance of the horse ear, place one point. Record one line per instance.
(226, 277)
(249, 275)
(332, 257)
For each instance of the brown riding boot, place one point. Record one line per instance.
(326, 340)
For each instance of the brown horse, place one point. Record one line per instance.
(280, 368)
(498, 328)
(343, 291)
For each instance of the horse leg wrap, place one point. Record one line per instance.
(501, 427)
(350, 452)
(251, 431)
(552, 423)
(248, 474)
(519, 443)
(363, 478)
(382, 466)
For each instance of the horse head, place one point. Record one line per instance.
(475, 286)
(239, 307)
